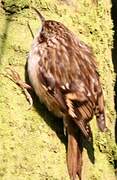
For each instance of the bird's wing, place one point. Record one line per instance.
(69, 72)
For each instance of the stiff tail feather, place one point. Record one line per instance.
(74, 151)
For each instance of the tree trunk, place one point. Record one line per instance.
(32, 144)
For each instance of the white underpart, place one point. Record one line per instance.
(33, 66)
(33, 72)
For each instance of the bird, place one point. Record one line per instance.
(63, 72)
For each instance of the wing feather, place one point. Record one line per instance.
(69, 72)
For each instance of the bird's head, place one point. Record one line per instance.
(51, 28)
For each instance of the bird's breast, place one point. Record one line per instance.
(41, 91)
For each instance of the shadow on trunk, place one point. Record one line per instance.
(114, 54)
(114, 59)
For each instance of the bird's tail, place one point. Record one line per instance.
(74, 151)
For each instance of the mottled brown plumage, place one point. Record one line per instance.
(63, 73)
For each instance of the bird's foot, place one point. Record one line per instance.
(15, 77)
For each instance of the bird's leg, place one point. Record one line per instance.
(15, 77)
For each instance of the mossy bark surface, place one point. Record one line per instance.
(32, 144)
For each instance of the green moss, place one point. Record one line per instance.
(14, 6)
(31, 141)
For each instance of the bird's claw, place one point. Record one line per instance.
(15, 77)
